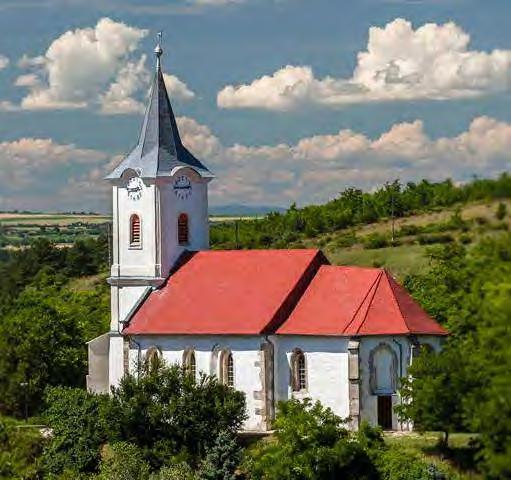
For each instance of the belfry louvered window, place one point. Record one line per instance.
(182, 229)
(135, 231)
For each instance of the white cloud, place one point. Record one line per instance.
(4, 62)
(80, 64)
(28, 80)
(400, 63)
(119, 97)
(176, 88)
(93, 68)
(317, 168)
(40, 173)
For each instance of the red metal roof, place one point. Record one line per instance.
(228, 292)
(357, 301)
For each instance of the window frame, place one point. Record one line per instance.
(132, 244)
(183, 227)
(299, 373)
(190, 362)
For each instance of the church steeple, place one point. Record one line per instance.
(159, 150)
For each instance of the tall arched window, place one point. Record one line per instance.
(298, 371)
(383, 369)
(189, 363)
(135, 231)
(182, 229)
(230, 370)
(153, 357)
(227, 368)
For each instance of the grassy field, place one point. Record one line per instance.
(459, 458)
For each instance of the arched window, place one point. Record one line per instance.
(135, 231)
(182, 229)
(152, 357)
(230, 370)
(298, 371)
(189, 363)
(383, 367)
(227, 368)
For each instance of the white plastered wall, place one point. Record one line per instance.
(246, 352)
(326, 361)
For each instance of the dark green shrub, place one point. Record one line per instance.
(501, 212)
(310, 443)
(432, 239)
(376, 240)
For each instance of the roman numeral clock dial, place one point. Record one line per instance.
(182, 187)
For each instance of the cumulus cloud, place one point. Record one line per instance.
(4, 62)
(400, 63)
(317, 168)
(312, 170)
(176, 88)
(95, 67)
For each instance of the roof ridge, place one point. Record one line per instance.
(394, 296)
(362, 303)
(376, 285)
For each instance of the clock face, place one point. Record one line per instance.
(134, 187)
(182, 187)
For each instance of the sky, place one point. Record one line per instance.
(284, 100)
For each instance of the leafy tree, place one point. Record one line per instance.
(81, 424)
(434, 391)
(42, 339)
(310, 443)
(167, 413)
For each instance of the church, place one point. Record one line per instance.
(274, 324)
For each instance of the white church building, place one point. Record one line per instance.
(274, 324)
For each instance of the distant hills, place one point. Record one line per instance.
(234, 210)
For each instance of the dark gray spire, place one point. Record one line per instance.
(159, 149)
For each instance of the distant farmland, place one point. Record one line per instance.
(19, 229)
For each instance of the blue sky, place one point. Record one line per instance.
(276, 96)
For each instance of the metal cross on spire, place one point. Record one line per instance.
(158, 50)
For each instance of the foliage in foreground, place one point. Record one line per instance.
(311, 443)
(467, 385)
(164, 413)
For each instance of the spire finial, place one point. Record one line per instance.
(158, 50)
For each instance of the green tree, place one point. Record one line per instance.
(433, 392)
(310, 443)
(80, 423)
(221, 459)
(167, 413)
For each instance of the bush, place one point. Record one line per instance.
(394, 464)
(123, 461)
(20, 450)
(501, 212)
(376, 240)
(310, 443)
(432, 239)
(222, 459)
(80, 425)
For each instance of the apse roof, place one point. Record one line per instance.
(353, 301)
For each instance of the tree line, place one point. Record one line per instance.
(354, 207)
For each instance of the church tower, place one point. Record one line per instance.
(160, 209)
